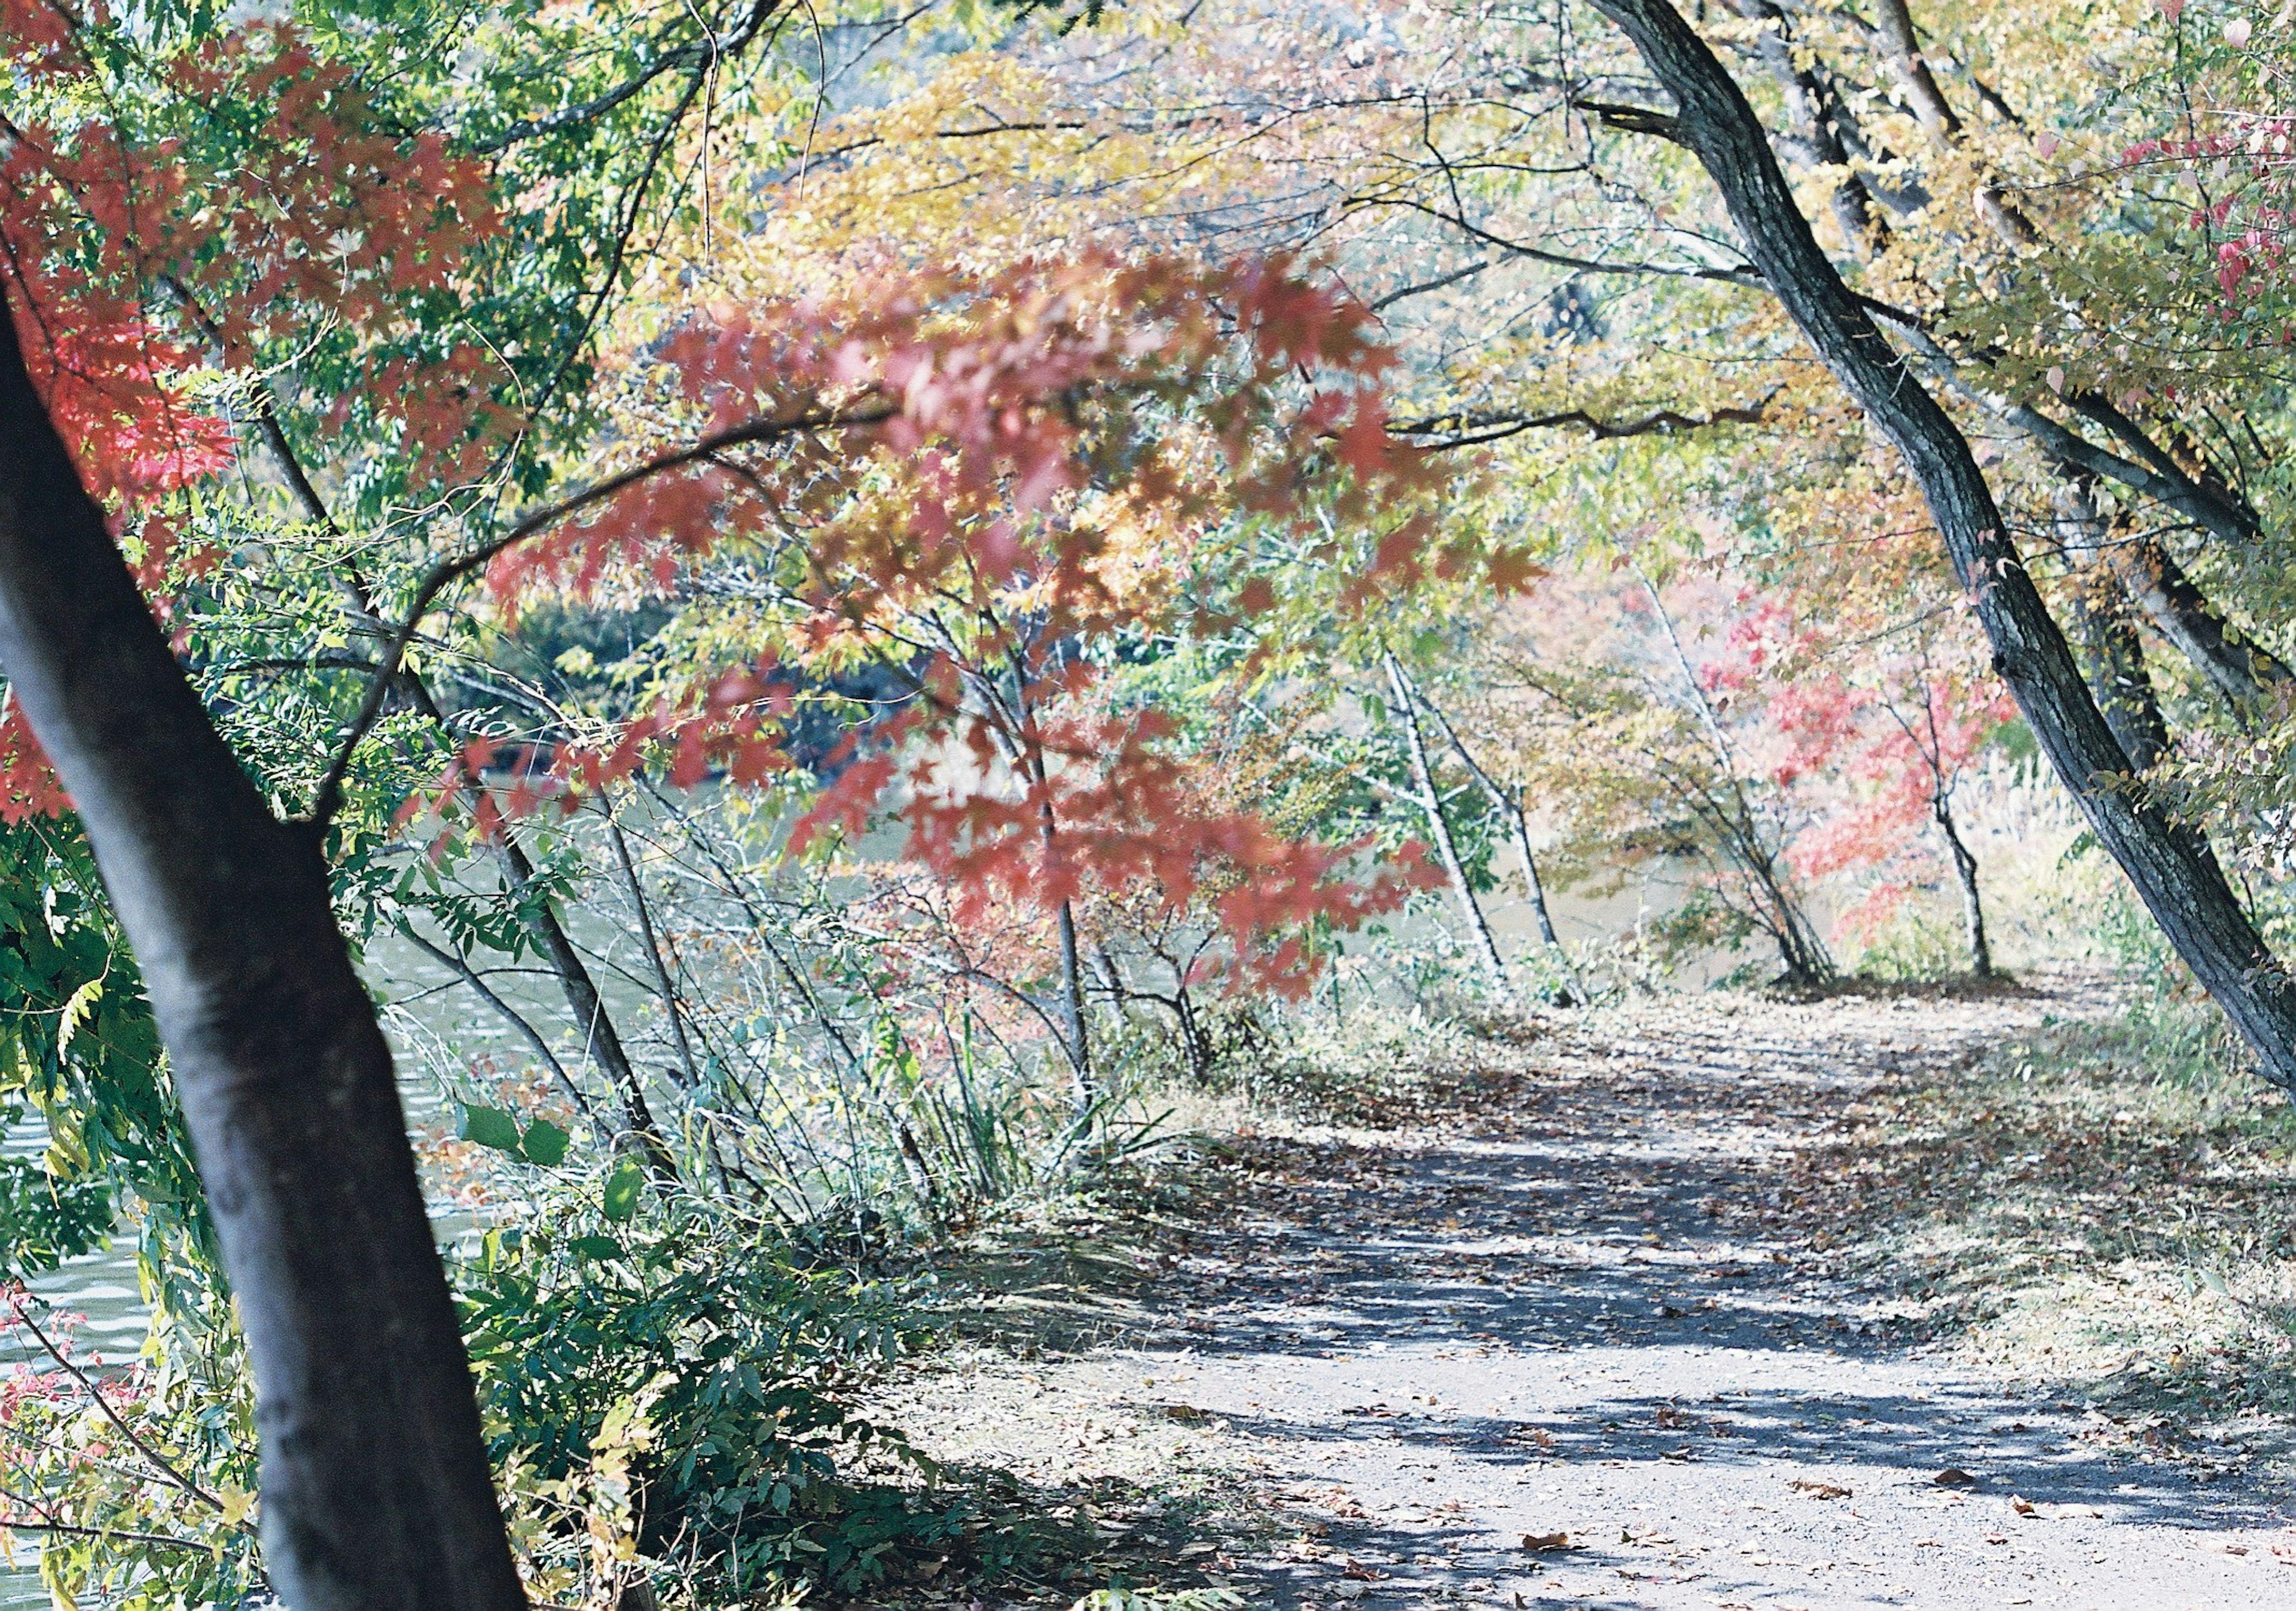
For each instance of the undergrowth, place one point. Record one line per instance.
(2105, 1206)
(1380, 1064)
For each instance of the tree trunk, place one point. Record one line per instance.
(1423, 778)
(600, 1034)
(375, 1488)
(2248, 674)
(600, 1038)
(1073, 1005)
(672, 1008)
(2172, 866)
(1893, 34)
(2113, 655)
(1737, 827)
(1568, 993)
(2117, 673)
(1973, 904)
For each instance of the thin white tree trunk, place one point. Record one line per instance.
(1439, 827)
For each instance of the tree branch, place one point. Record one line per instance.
(1472, 429)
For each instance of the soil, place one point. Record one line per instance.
(1579, 1341)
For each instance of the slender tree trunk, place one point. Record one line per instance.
(2172, 866)
(462, 969)
(1533, 887)
(375, 1488)
(599, 1032)
(671, 1006)
(1024, 749)
(1738, 830)
(1072, 1002)
(1423, 778)
(1568, 993)
(1804, 955)
(1972, 904)
(599, 1036)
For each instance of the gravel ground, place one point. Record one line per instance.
(1575, 1350)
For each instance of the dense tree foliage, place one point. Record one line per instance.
(854, 588)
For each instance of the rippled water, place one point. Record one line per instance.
(100, 1286)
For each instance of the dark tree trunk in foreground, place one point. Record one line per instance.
(2170, 866)
(376, 1492)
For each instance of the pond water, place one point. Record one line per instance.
(100, 1286)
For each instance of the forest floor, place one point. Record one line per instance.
(1713, 1302)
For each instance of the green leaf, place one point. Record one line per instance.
(598, 1247)
(489, 1127)
(545, 1143)
(622, 1189)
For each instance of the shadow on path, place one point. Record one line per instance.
(1579, 1352)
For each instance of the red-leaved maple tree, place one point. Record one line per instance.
(981, 480)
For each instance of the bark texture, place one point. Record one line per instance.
(376, 1491)
(2112, 653)
(2117, 673)
(1973, 899)
(2248, 674)
(2171, 868)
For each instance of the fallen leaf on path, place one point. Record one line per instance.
(1539, 1542)
(1953, 1476)
(1817, 1490)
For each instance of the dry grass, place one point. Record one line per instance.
(2106, 1207)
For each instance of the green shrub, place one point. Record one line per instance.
(663, 1391)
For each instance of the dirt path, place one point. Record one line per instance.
(1592, 1313)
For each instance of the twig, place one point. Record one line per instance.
(329, 798)
(159, 1462)
(77, 1531)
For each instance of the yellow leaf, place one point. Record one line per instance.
(81, 1003)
